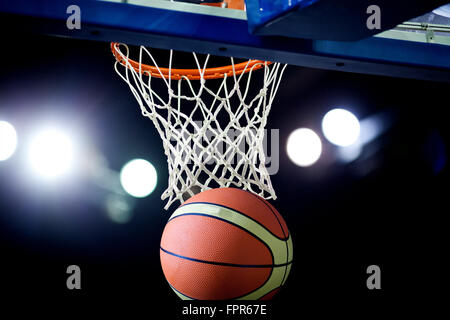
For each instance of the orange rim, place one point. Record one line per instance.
(230, 4)
(191, 74)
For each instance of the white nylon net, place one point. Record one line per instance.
(212, 135)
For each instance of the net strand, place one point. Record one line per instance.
(197, 142)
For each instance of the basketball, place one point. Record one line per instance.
(224, 244)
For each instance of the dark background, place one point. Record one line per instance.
(386, 208)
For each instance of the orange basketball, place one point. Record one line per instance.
(226, 244)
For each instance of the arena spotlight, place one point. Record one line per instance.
(138, 178)
(341, 127)
(8, 140)
(443, 11)
(304, 147)
(350, 153)
(370, 129)
(51, 153)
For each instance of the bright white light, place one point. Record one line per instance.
(304, 147)
(340, 127)
(350, 153)
(443, 11)
(8, 140)
(51, 153)
(138, 178)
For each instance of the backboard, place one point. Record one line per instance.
(416, 49)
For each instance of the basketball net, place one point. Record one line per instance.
(194, 120)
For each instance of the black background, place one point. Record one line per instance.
(386, 208)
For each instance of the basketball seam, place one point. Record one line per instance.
(173, 288)
(270, 208)
(262, 285)
(282, 230)
(231, 223)
(226, 264)
(234, 298)
(229, 208)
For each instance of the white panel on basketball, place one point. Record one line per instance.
(277, 247)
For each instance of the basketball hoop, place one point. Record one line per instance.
(191, 74)
(194, 119)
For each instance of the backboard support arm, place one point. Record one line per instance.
(226, 36)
